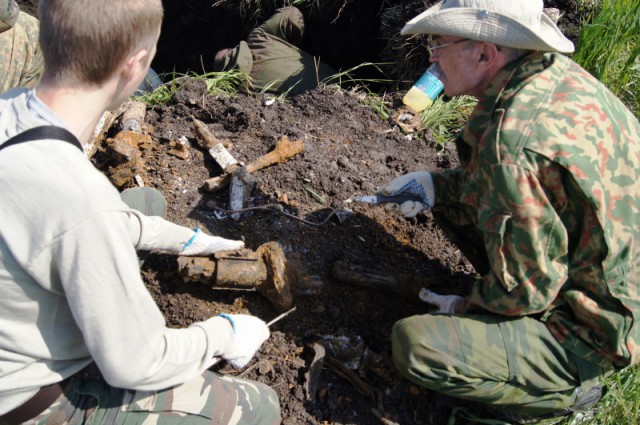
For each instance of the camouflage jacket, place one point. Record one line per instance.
(21, 62)
(277, 63)
(550, 177)
(9, 11)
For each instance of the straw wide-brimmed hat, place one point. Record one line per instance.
(520, 24)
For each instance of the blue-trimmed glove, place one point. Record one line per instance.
(445, 303)
(249, 332)
(417, 183)
(203, 245)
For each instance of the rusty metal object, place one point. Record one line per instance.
(126, 150)
(123, 154)
(405, 284)
(283, 150)
(264, 270)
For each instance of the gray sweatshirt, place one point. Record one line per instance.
(70, 284)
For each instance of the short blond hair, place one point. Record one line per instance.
(86, 40)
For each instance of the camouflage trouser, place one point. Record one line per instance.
(511, 363)
(21, 61)
(209, 399)
(514, 364)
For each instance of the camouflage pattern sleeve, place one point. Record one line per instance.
(551, 165)
(447, 185)
(9, 11)
(526, 245)
(21, 61)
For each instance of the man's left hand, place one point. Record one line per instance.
(203, 245)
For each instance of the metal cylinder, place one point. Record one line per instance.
(264, 270)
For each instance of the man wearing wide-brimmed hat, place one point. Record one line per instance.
(546, 205)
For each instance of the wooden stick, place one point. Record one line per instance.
(282, 316)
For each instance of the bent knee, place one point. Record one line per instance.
(422, 343)
(406, 335)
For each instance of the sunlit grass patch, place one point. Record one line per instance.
(609, 48)
(350, 76)
(224, 83)
(446, 117)
(621, 403)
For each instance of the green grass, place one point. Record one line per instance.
(609, 48)
(379, 103)
(446, 118)
(224, 83)
(621, 403)
(349, 76)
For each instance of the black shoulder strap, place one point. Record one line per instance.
(43, 132)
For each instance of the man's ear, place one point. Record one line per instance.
(135, 64)
(489, 54)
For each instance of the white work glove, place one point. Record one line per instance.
(418, 183)
(249, 333)
(445, 303)
(203, 245)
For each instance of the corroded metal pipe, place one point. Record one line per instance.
(264, 270)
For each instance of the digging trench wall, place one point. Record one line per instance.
(343, 33)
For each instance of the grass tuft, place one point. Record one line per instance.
(621, 403)
(609, 48)
(217, 83)
(446, 118)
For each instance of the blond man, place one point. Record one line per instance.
(80, 336)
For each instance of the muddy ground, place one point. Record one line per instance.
(348, 150)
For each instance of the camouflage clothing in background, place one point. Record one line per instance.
(210, 399)
(272, 58)
(9, 11)
(551, 183)
(21, 62)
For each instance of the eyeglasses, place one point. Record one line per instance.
(433, 45)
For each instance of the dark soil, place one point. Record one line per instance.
(349, 149)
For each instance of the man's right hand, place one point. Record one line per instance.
(249, 332)
(417, 183)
